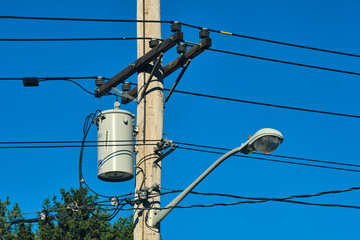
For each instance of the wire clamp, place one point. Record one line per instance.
(73, 207)
(114, 201)
(162, 145)
(143, 194)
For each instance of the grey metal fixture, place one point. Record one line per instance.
(265, 140)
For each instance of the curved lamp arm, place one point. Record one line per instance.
(267, 136)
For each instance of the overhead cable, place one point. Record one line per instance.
(285, 62)
(83, 19)
(271, 155)
(271, 160)
(265, 104)
(184, 24)
(70, 39)
(273, 41)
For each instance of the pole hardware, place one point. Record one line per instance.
(128, 201)
(44, 215)
(143, 194)
(114, 201)
(126, 87)
(181, 49)
(154, 43)
(161, 146)
(177, 63)
(124, 94)
(177, 80)
(31, 81)
(139, 64)
(151, 76)
(204, 33)
(73, 207)
(99, 81)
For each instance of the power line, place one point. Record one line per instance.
(202, 95)
(75, 146)
(83, 19)
(272, 155)
(272, 199)
(70, 39)
(184, 24)
(68, 80)
(285, 62)
(271, 160)
(273, 41)
(149, 143)
(49, 78)
(265, 104)
(46, 142)
(246, 202)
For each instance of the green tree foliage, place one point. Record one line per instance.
(64, 223)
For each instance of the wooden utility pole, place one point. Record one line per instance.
(149, 122)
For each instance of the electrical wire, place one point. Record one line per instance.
(74, 146)
(272, 155)
(68, 80)
(272, 41)
(247, 202)
(184, 24)
(271, 160)
(265, 104)
(48, 142)
(281, 61)
(83, 19)
(53, 78)
(270, 199)
(72, 39)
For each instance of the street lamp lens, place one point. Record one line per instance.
(267, 144)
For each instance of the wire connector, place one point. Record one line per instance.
(114, 201)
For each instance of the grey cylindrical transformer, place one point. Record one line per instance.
(116, 149)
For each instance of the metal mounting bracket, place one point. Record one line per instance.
(162, 145)
(124, 94)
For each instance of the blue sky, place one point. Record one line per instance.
(55, 111)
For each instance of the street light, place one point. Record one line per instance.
(265, 140)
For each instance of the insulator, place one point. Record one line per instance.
(204, 33)
(154, 43)
(176, 26)
(126, 87)
(99, 81)
(181, 48)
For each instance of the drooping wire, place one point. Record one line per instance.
(68, 80)
(262, 199)
(270, 199)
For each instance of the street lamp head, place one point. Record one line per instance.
(265, 140)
